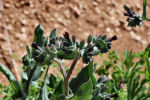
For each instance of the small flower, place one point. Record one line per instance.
(114, 95)
(111, 39)
(131, 14)
(133, 18)
(34, 45)
(90, 49)
(114, 38)
(121, 83)
(66, 35)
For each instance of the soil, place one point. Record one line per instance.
(78, 17)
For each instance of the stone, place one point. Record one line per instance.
(60, 1)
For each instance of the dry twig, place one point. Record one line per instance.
(16, 73)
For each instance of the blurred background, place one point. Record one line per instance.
(78, 17)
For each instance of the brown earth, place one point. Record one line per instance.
(78, 17)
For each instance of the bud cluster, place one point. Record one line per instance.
(67, 48)
(133, 18)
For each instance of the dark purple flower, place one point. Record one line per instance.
(109, 45)
(114, 38)
(90, 49)
(34, 45)
(114, 95)
(121, 83)
(126, 13)
(133, 18)
(104, 37)
(130, 14)
(66, 35)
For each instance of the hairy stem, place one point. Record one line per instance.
(44, 78)
(30, 79)
(66, 80)
(61, 67)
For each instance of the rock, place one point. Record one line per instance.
(23, 21)
(138, 38)
(20, 36)
(97, 10)
(23, 29)
(117, 30)
(99, 1)
(67, 14)
(95, 3)
(134, 36)
(7, 5)
(108, 29)
(2, 37)
(26, 12)
(59, 1)
(9, 27)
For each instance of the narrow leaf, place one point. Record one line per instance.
(144, 8)
(13, 82)
(127, 8)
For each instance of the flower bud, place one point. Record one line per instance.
(114, 38)
(34, 45)
(114, 95)
(66, 35)
(90, 49)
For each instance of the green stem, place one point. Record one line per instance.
(44, 78)
(63, 71)
(144, 9)
(30, 79)
(66, 80)
(147, 19)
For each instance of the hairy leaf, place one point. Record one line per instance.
(84, 92)
(82, 77)
(13, 82)
(53, 34)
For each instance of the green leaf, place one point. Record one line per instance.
(28, 51)
(53, 34)
(127, 8)
(37, 73)
(43, 92)
(53, 81)
(91, 73)
(13, 82)
(89, 38)
(147, 64)
(144, 9)
(84, 92)
(39, 36)
(82, 44)
(74, 39)
(63, 55)
(59, 91)
(82, 77)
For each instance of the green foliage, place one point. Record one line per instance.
(7, 91)
(81, 94)
(13, 82)
(127, 74)
(136, 19)
(37, 84)
(128, 81)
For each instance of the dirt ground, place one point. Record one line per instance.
(78, 17)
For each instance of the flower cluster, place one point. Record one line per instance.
(96, 45)
(133, 18)
(67, 48)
